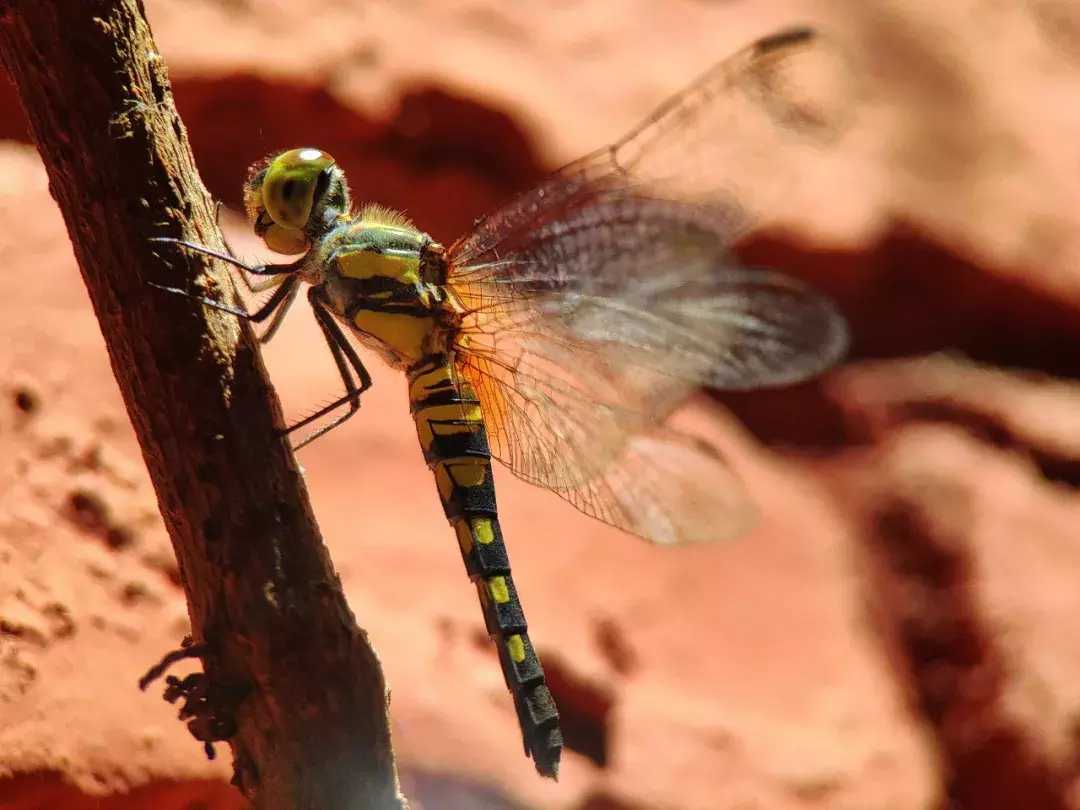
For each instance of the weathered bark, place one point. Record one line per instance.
(265, 604)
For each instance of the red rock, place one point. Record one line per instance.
(747, 675)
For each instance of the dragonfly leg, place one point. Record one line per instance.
(347, 361)
(281, 276)
(282, 297)
(228, 258)
(280, 312)
(252, 287)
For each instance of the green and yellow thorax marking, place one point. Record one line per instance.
(375, 273)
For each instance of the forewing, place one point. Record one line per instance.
(739, 133)
(763, 113)
(629, 303)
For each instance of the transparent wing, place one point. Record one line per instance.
(596, 303)
(580, 347)
(744, 132)
(610, 462)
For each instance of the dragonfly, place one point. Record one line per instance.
(563, 332)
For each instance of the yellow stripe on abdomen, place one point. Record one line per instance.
(446, 420)
(450, 426)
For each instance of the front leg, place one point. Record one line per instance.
(255, 269)
(282, 297)
(284, 276)
(286, 302)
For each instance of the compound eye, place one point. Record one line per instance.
(288, 189)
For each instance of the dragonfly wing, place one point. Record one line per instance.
(594, 305)
(773, 109)
(582, 340)
(643, 296)
(611, 463)
(788, 95)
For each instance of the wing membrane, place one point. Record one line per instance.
(776, 108)
(611, 463)
(596, 303)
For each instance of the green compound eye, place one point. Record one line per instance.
(288, 190)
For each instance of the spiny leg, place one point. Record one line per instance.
(347, 361)
(279, 315)
(252, 287)
(341, 350)
(228, 258)
(282, 297)
(276, 275)
(262, 285)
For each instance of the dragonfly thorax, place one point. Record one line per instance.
(374, 272)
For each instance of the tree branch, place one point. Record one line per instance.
(268, 616)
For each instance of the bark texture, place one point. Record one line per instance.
(284, 659)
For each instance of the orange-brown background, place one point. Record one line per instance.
(900, 630)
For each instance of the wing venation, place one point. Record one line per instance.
(595, 304)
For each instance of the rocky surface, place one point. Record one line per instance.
(896, 633)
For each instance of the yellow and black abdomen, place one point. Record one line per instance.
(452, 434)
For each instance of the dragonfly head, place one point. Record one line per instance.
(294, 197)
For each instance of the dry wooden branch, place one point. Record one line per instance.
(266, 607)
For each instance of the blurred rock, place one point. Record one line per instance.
(897, 633)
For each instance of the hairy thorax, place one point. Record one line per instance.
(372, 270)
